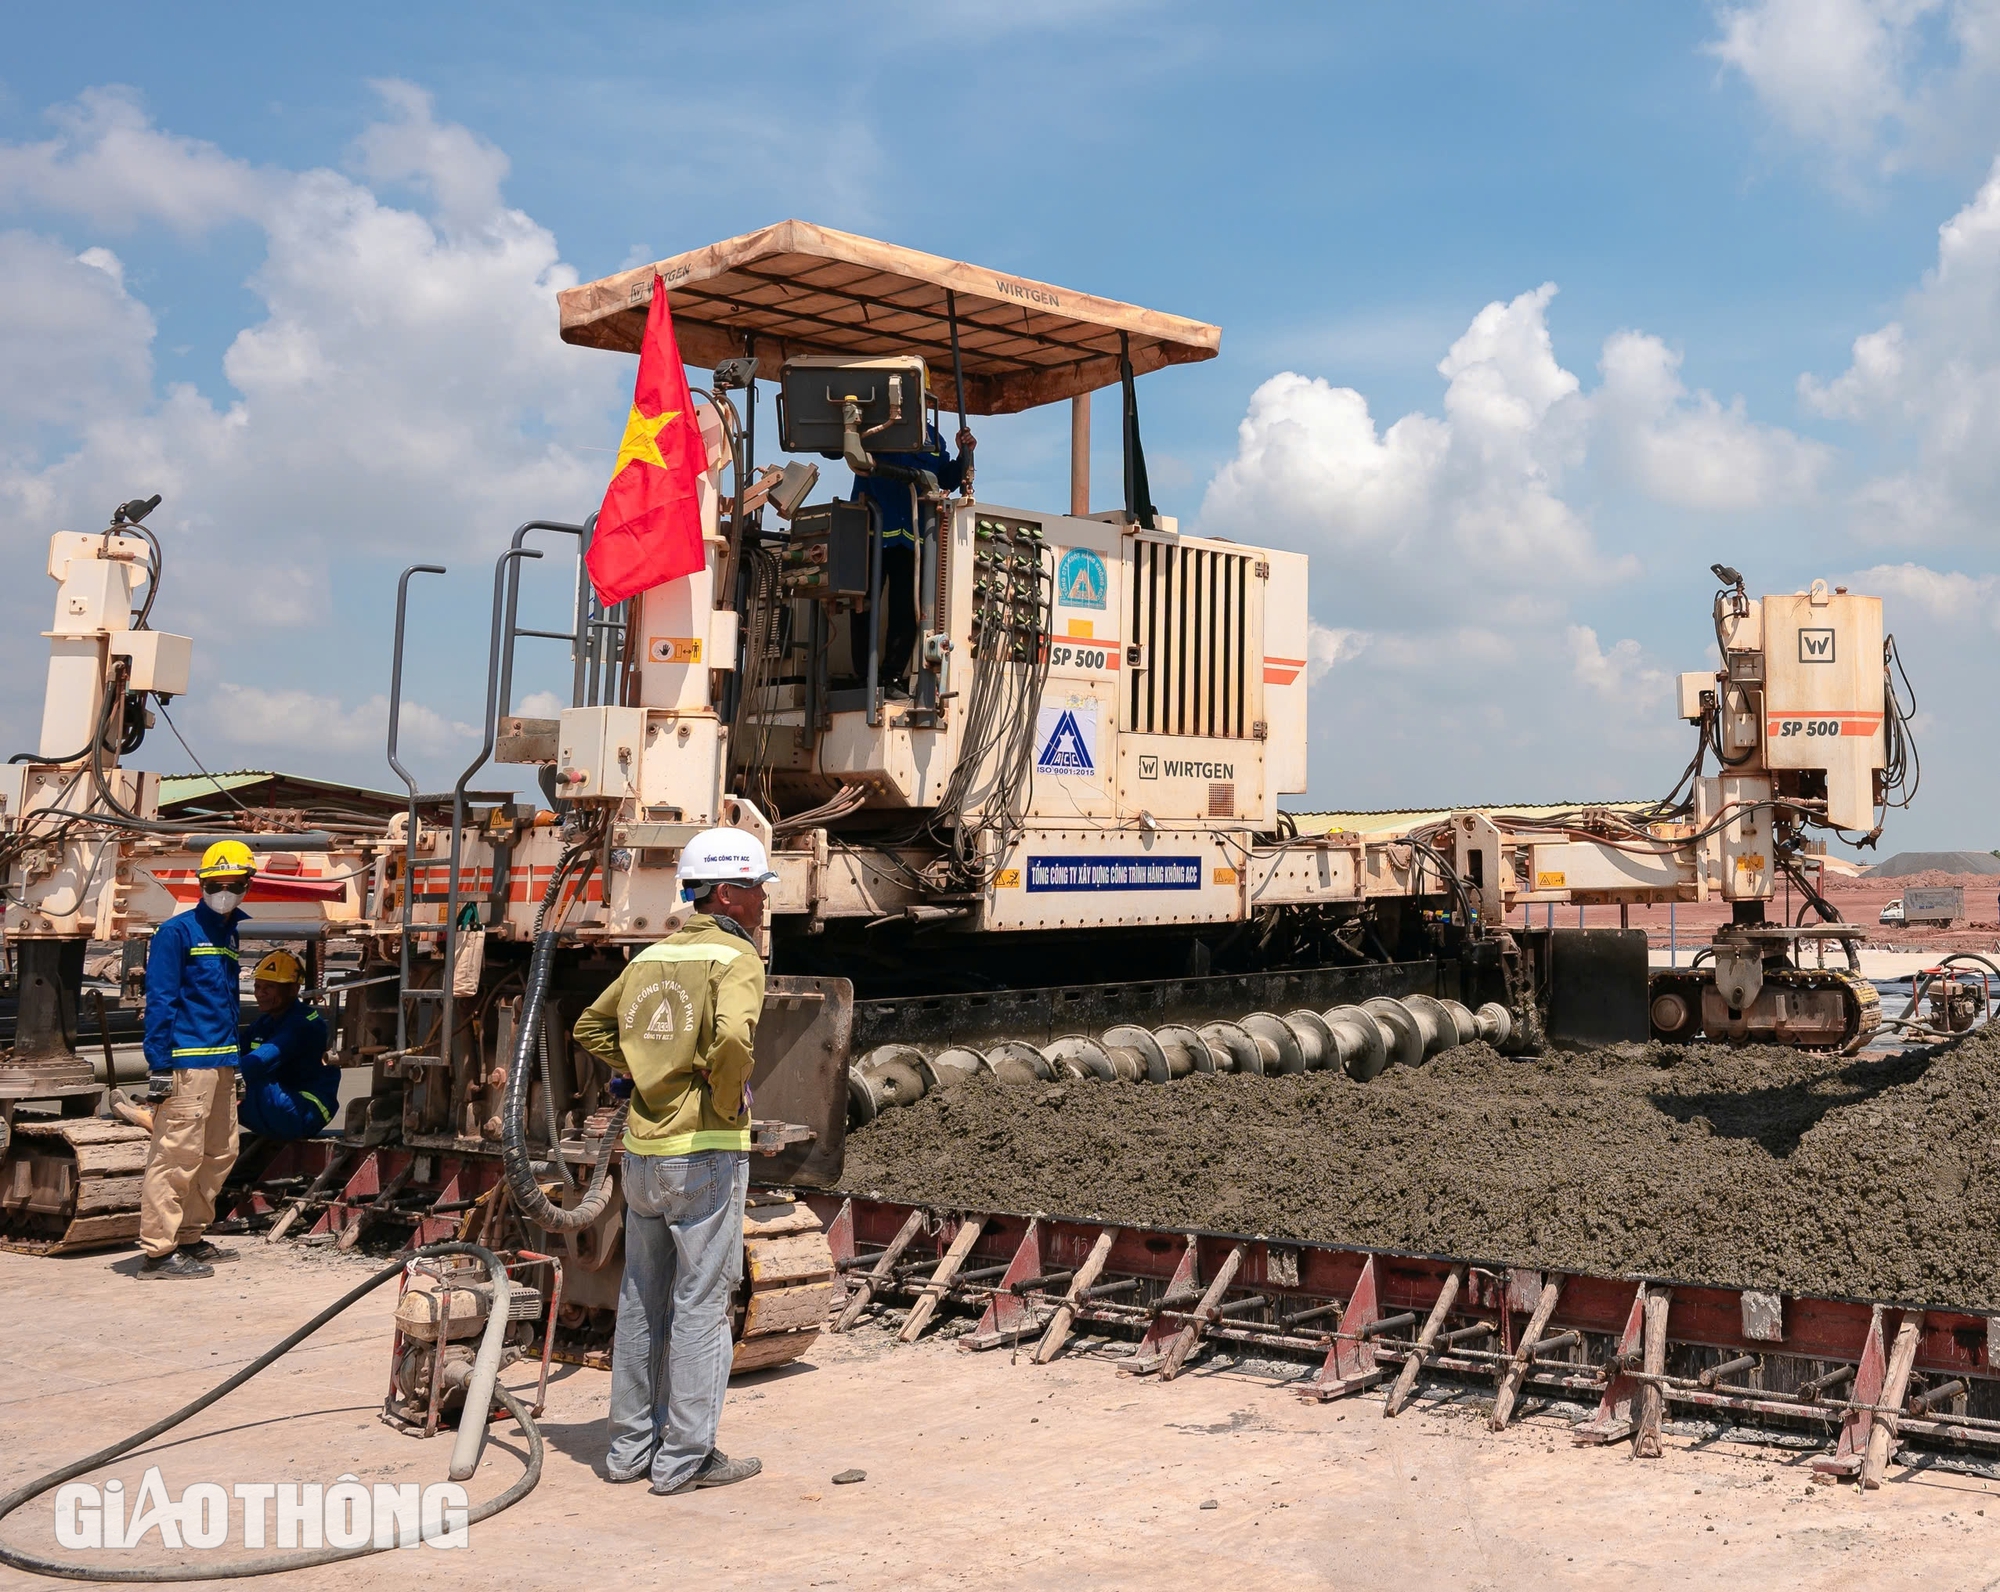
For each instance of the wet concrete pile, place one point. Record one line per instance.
(1763, 1167)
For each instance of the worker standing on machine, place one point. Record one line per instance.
(192, 1007)
(900, 544)
(678, 1027)
(289, 1091)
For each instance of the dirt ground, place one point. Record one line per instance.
(1876, 1177)
(981, 1471)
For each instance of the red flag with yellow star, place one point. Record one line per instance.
(649, 529)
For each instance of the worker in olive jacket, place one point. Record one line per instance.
(677, 1029)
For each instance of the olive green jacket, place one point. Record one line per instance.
(680, 1022)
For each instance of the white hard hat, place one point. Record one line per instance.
(724, 856)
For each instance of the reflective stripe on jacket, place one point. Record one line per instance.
(681, 1023)
(193, 1004)
(287, 1050)
(892, 498)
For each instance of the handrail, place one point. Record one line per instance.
(511, 628)
(503, 569)
(409, 779)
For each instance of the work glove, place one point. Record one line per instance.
(620, 1088)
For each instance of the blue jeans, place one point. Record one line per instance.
(670, 1358)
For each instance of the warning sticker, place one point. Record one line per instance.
(1551, 881)
(673, 649)
(1066, 740)
(1007, 879)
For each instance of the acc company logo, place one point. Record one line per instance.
(1080, 580)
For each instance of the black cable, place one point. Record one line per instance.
(220, 791)
(83, 752)
(1712, 722)
(1827, 911)
(270, 1563)
(1903, 769)
(145, 613)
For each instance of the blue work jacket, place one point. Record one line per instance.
(192, 999)
(288, 1048)
(892, 498)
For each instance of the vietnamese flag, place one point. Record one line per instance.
(649, 529)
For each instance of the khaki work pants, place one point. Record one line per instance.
(194, 1146)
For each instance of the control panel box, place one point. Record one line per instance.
(827, 553)
(813, 392)
(598, 751)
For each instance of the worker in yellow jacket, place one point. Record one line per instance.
(677, 1029)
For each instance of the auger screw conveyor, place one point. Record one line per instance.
(1358, 1040)
(1076, 774)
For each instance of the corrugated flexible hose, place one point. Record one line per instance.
(522, 1185)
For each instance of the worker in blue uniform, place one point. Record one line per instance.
(191, 1017)
(289, 1090)
(900, 546)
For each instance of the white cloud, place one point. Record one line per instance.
(1828, 69)
(1621, 675)
(1868, 80)
(1327, 648)
(1475, 508)
(1931, 379)
(402, 395)
(1946, 595)
(540, 705)
(403, 391)
(459, 171)
(297, 720)
(1470, 497)
(1689, 450)
(110, 165)
(1451, 551)
(72, 340)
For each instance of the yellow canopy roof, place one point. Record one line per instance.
(795, 288)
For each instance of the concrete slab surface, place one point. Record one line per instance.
(981, 1469)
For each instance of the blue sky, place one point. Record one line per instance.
(295, 269)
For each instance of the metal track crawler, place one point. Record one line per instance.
(72, 1183)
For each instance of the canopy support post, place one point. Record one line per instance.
(1079, 455)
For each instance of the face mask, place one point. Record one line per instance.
(223, 902)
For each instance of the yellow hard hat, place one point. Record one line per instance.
(226, 856)
(280, 967)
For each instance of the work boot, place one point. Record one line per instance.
(721, 1470)
(206, 1253)
(718, 1470)
(177, 1264)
